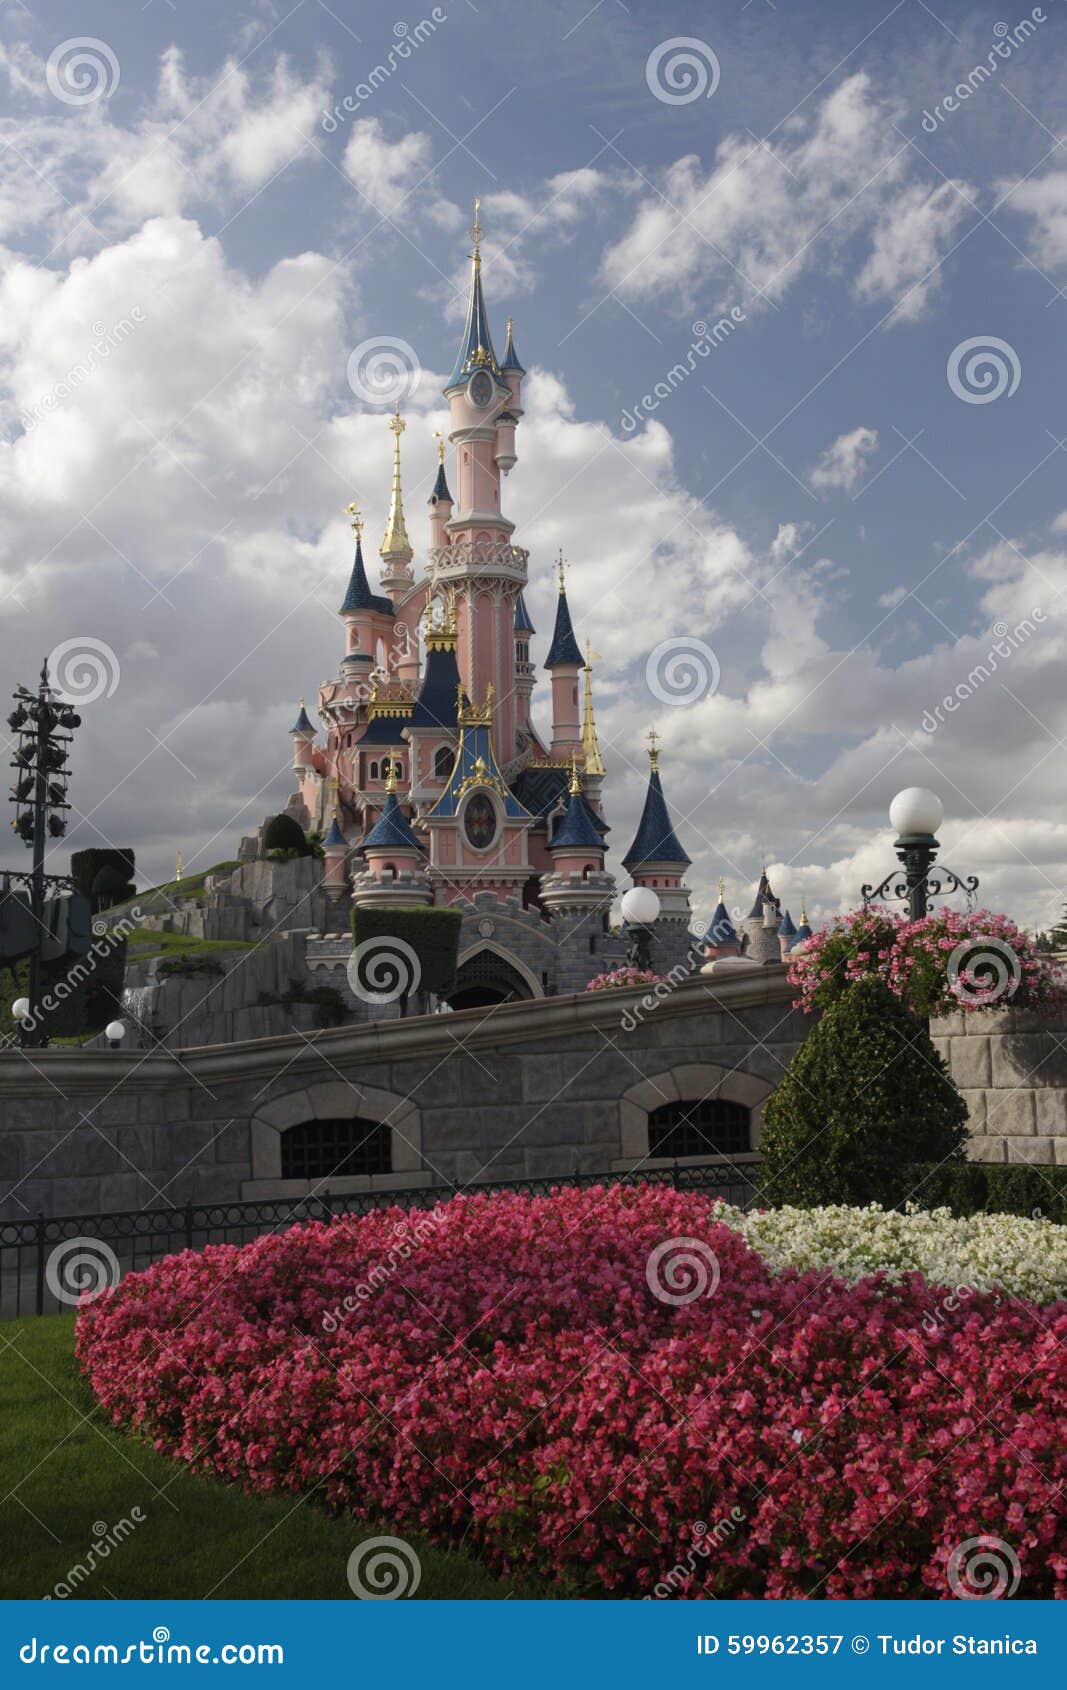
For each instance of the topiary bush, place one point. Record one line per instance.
(865, 1096)
(103, 875)
(283, 837)
(400, 951)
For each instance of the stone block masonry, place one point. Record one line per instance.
(549, 1087)
(1011, 1066)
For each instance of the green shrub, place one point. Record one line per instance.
(79, 995)
(866, 1095)
(284, 838)
(331, 1009)
(430, 934)
(185, 963)
(103, 875)
(992, 1188)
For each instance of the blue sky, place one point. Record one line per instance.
(814, 501)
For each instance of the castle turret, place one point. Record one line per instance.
(564, 661)
(394, 857)
(656, 858)
(368, 617)
(335, 851)
(803, 932)
(578, 881)
(721, 938)
(524, 670)
(762, 924)
(440, 501)
(786, 934)
(303, 737)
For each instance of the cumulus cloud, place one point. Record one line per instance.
(767, 211)
(843, 463)
(385, 171)
(1043, 202)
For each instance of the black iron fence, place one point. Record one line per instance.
(47, 1264)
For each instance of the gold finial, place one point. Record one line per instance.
(395, 544)
(179, 867)
(576, 785)
(511, 325)
(594, 762)
(653, 748)
(439, 437)
(559, 566)
(476, 231)
(453, 625)
(722, 887)
(390, 779)
(352, 512)
(804, 913)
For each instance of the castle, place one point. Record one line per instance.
(431, 782)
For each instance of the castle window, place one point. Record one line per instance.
(592, 944)
(374, 771)
(322, 1149)
(443, 759)
(711, 1126)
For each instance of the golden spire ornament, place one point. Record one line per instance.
(576, 785)
(355, 520)
(392, 764)
(476, 230)
(559, 566)
(653, 748)
(395, 543)
(179, 867)
(722, 887)
(439, 437)
(594, 762)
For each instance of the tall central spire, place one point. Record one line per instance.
(594, 762)
(396, 547)
(476, 347)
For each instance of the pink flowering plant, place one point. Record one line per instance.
(616, 977)
(536, 1384)
(947, 961)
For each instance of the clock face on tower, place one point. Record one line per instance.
(480, 389)
(479, 821)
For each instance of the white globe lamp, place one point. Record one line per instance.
(640, 906)
(915, 811)
(114, 1033)
(20, 1009)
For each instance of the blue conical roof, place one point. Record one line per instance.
(523, 625)
(435, 706)
(440, 486)
(803, 932)
(392, 829)
(721, 930)
(511, 357)
(303, 723)
(335, 836)
(577, 827)
(476, 347)
(564, 647)
(359, 595)
(786, 930)
(655, 841)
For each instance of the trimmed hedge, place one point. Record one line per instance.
(432, 934)
(992, 1188)
(87, 992)
(103, 875)
(286, 837)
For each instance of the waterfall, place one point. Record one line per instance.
(138, 1005)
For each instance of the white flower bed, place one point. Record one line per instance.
(1027, 1258)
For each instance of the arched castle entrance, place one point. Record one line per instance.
(487, 977)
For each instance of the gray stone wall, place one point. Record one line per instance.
(1011, 1066)
(544, 1088)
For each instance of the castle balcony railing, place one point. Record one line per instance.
(492, 558)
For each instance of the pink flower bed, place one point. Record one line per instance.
(623, 977)
(516, 1383)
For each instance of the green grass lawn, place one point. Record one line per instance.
(144, 943)
(65, 1470)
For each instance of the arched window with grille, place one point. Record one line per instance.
(710, 1126)
(318, 1150)
(443, 759)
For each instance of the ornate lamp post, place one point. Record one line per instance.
(640, 909)
(916, 814)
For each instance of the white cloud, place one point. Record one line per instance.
(384, 171)
(843, 463)
(1043, 201)
(767, 211)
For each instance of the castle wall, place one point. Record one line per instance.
(538, 1089)
(1011, 1066)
